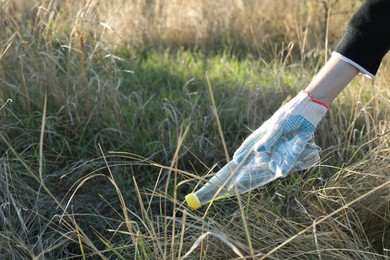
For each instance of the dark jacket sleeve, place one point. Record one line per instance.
(367, 37)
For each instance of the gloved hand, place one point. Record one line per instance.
(300, 116)
(283, 144)
(258, 169)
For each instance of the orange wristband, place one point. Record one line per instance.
(316, 100)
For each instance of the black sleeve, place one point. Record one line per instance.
(367, 37)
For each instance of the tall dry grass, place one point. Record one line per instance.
(111, 124)
(256, 26)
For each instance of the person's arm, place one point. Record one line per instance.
(365, 42)
(367, 37)
(361, 49)
(331, 80)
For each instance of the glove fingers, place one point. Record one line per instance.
(287, 125)
(270, 137)
(248, 143)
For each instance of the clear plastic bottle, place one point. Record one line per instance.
(257, 169)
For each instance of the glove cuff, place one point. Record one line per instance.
(310, 109)
(316, 100)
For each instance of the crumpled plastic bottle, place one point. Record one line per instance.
(256, 169)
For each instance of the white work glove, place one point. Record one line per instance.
(295, 121)
(283, 144)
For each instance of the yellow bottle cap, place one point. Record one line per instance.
(192, 201)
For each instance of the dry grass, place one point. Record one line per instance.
(257, 26)
(89, 77)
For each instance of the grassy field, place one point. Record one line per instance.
(106, 123)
